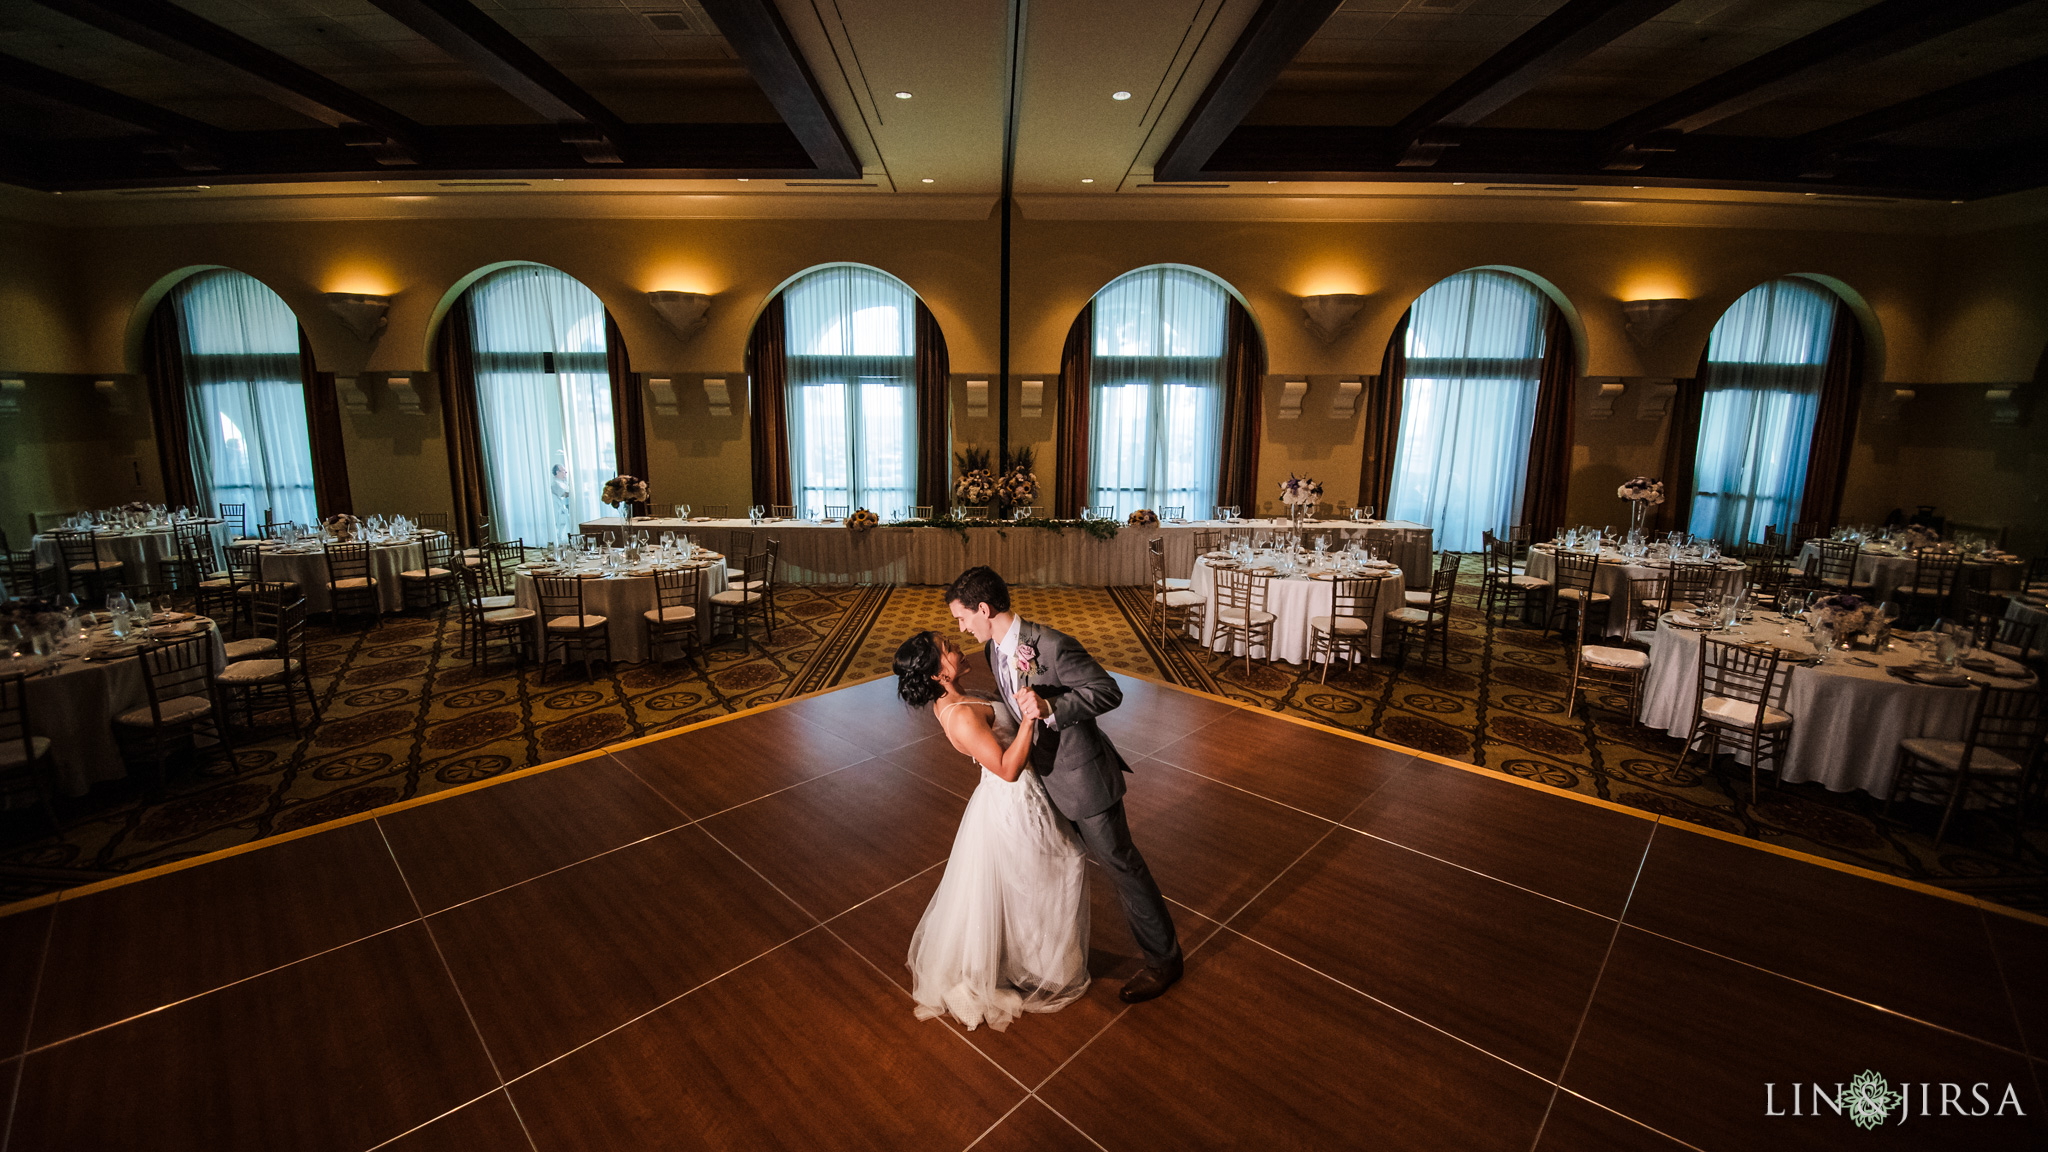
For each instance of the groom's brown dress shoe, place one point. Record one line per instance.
(1150, 983)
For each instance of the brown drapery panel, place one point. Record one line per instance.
(455, 364)
(1834, 424)
(768, 371)
(934, 426)
(323, 431)
(1244, 374)
(163, 367)
(629, 419)
(1550, 436)
(1070, 440)
(1383, 421)
(1682, 450)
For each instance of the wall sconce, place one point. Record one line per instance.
(720, 399)
(1032, 400)
(349, 390)
(1330, 314)
(685, 311)
(977, 399)
(663, 390)
(1647, 319)
(1292, 393)
(402, 391)
(1608, 390)
(11, 392)
(1345, 404)
(361, 314)
(110, 395)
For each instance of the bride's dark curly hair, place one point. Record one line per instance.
(916, 663)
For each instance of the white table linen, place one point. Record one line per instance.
(138, 549)
(1293, 601)
(308, 569)
(1886, 572)
(1612, 579)
(74, 704)
(815, 553)
(623, 601)
(1847, 720)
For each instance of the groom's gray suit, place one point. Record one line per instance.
(1082, 772)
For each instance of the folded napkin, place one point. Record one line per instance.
(1992, 663)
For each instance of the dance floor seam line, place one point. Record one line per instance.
(1593, 993)
(1564, 1091)
(447, 969)
(1490, 876)
(1064, 1118)
(2005, 985)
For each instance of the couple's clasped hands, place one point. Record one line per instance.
(1031, 707)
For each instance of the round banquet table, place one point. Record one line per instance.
(1293, 601)
(1847, 719)
(1611, 578)
(137, 549)
(306, 566)
(74, 702)
(2030, 609)
(622, 600)
(1886, 571)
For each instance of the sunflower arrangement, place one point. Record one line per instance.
(976, 482)
(1018, 485)
(342, 526)
(862, 520)
(624, 490)
(1144, 518)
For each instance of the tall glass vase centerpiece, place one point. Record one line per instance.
(1300, 494)
(1642, 494)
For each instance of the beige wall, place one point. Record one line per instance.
(1955, 310)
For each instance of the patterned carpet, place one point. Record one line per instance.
(406, 715)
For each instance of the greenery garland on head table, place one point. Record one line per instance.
(1100, 529)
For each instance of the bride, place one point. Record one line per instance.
(1007, 931)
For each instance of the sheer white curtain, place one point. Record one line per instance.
(1475, 355)
(544, 401)
(1156, 390)
(1765, 362)
(850, 341)
(250, 441)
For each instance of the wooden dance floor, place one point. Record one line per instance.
(698, 941)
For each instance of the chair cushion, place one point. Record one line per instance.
(213, 583)
(1417, 599)
(424, 574)
(1741, 713)
(1580, 594)
(355, 582)
(750, 585)
(250, 649)
(735, 597)
(512, 615)
(96, 566)
(255, 671)
(1948, 755)
(1521, 581)
(1411, 615)
(1236, 616)
(676, 615)
(1178, 598)
(1352, 625)
(1624, 658)
(489, 603)
(11, 753)
(176, 710)
(573, 623)
(1176, 583)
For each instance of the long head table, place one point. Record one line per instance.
(814, 553)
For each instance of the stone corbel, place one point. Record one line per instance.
(1657, 394)
(11, 392)
(663, 390)
(718, 395)
(404, 395)
(349, 391)
(111, 396)
(1292, 393)
(977, 399)
(1607, 389)
(1344, 405)
(2005, 403)
(1894, 404)
(1032, 402)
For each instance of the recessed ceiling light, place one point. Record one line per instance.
(1119, 95)
(927, 179)
(1638, 187)
(1457, 183)
(1955, 201)
(743, 179)
(903, 95)
(1087, 179)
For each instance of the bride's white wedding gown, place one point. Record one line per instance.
(1007, 931)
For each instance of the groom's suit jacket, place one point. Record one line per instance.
(1081, 769)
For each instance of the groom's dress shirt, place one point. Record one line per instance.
(1006, 664)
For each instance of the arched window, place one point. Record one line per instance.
(246, 407)
(1765, 365)
(1474, 357)
(1156, 390)
(851, 349)
(544, 401)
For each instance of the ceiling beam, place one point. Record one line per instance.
(2028, 79)
(172, 31)
(1270, 42)
(36, 80)
(1560, 40)
(460, 30)
(757, 34)
(1871, 34)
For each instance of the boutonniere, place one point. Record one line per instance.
(1024, 662)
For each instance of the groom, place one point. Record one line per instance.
(1080, 768)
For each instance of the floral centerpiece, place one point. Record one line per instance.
(31, 614)
(342, 526)
(1642, 494)
(1843, 614)
(862, 520)
(976, 482)
(1299, 493)
(624, 490)
(1018, 485)
(1918, 536)
(1144, 518)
